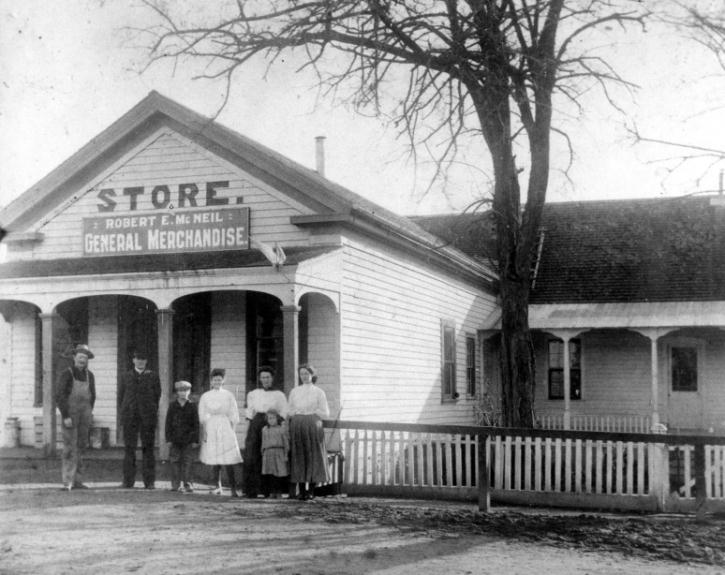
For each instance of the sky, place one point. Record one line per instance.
(67, 71)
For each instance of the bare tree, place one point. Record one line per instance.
(702, 22)
(444, 69)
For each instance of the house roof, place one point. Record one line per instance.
(643, 250)
(333, 203)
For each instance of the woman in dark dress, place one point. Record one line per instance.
(259, 402)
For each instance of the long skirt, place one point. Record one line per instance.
(253, 482)
(308, 455)
(219, 446)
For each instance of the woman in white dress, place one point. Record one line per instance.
(218, 415)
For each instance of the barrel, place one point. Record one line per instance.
(12, 432)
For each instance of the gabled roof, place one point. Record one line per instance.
(333, 203)
(645, 250)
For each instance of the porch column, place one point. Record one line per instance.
(567, 383)
(49, 417)
(655, 380)
(291, 342)
(654, 334)
(566, 335)
(165, 325)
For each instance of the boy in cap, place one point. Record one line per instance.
(182, 433)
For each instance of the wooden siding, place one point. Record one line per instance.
(229, 346)
(22, 370)
(103, 341)
(715, 383)
(171, 160)
(6, 362)
(391, 312)
(322, 348)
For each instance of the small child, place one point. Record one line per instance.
(182, 432)
(275, 447)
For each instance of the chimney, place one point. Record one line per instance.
(320, 155)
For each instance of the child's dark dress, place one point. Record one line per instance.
(275, 446)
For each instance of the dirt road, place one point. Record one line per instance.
(105, 530)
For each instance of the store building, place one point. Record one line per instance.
(172, 233)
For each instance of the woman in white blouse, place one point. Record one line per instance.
(306, 409)
(219, 416)
(259, 402)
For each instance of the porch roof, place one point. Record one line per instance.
(620, 315)
(150, 263)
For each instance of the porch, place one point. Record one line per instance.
(623, 367)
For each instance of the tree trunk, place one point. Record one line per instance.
(517, 354)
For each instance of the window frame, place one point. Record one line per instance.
(471, 378)
(448, 361)
(686, 343)
(575, 372)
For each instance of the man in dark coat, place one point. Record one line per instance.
(139, 393)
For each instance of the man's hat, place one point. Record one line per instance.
(179, 385)
(140, 354)
(83, 348)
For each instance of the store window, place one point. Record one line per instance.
(556, 369)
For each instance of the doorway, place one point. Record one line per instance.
(137, 330)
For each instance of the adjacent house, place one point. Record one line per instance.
(627, 312)
(172, 233)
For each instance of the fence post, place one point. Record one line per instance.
(700, 493)
(660, 471)
(484, 497)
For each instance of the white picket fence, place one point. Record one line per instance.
(682, 470)
(563, 469)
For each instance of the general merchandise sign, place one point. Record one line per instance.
(188, 231)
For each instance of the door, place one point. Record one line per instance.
(685, 379)
(264, 337)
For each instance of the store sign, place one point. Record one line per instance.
(188, 231)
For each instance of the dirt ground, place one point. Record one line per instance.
(107, 530)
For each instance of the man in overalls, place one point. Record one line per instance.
(75, 397)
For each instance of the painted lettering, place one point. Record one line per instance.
(163, 201)
(181, 219)
(211, 199)
(188, 192)
(161, 196)
(133, 194)
(105, 196)
(152, 239)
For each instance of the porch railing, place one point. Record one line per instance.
(625, 423)
(539, 467)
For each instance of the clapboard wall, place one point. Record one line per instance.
(392, 309)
